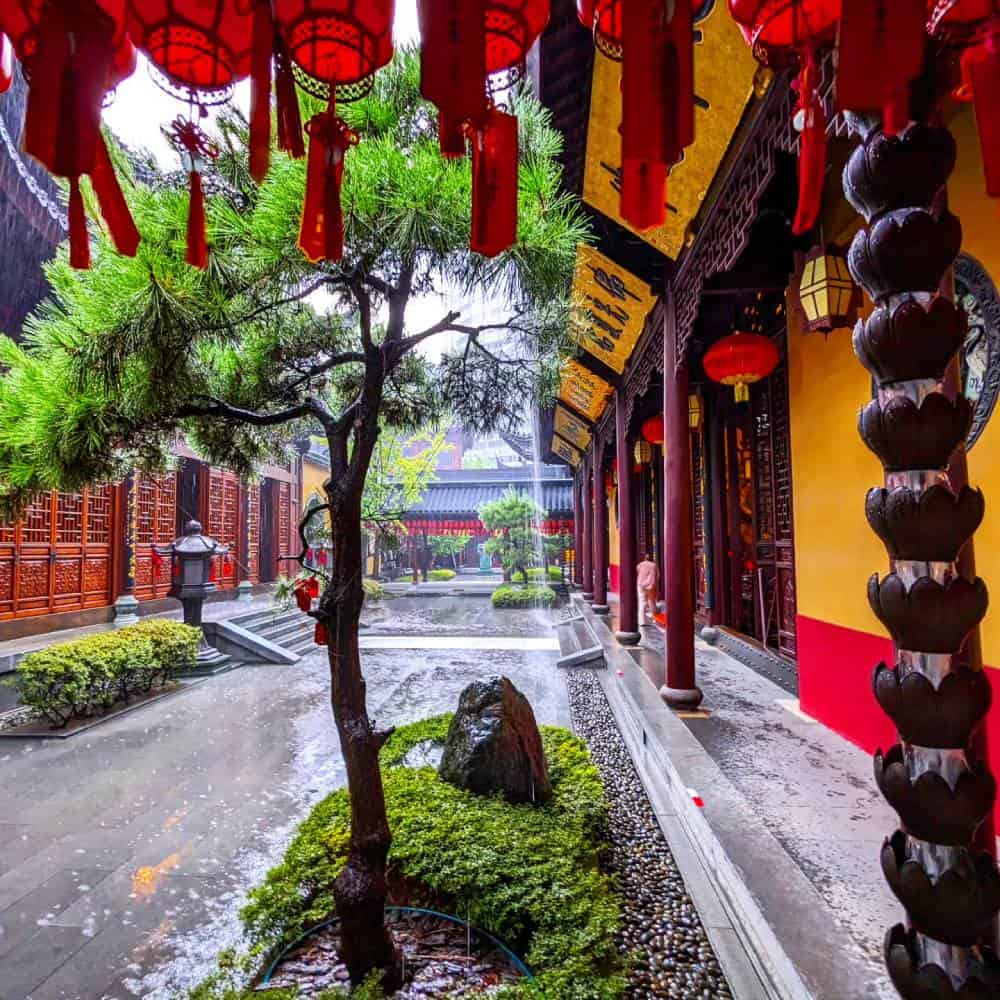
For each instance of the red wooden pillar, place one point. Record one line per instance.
(628, 602)
(578, 529)
(600, 532)
(587, 533)
(680, 689)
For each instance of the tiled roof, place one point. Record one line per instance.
(463, 491)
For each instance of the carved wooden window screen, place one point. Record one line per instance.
(59, 555)
(224, 524)
(156, 524)
(253, 532)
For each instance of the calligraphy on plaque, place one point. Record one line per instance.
(570, 427)
(565, 451)
(583, 390)
(610, 306)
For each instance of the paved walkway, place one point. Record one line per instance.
(125, 852)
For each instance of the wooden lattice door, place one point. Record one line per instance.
(223, 524)
(155, 523)
(58, 557)
(774, 591)
(253, 532)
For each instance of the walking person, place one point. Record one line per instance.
(647, 574)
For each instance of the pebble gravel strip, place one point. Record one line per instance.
(673, 957)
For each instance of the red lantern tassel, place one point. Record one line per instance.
(70, 69)
(79, 240)
(319, 635)
(260, 91)
(453, 64)
(114, 208)
(290, 138)
(880, 50)
(494, 183)
(651, 123)
(6, 63)
(682, 105)
(981, 68)
(451, 136)
(812, 150)
(197, 245)
(321, 235)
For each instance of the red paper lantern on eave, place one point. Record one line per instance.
(652, 429)
(512, 27)
(199, 45)
(778, 30)
(740, 360)
(604, 19)
(339, 42)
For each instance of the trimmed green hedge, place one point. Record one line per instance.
(441, 574)
(528, 874)
(537, 573)
(530, 596)
(77, 679)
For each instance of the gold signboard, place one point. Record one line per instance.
(724, 70)
(565, 450)
(610, 306)
(570, 427)
(583, 390)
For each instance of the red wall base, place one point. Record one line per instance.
(835, 687)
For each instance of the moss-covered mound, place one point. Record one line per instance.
(525, 596)
(530, 875)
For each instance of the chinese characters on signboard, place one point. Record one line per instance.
(565, 451)
(584, 391)
(610, 306)
(570, 427)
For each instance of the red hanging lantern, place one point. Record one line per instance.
(880, 49)
(201, 48)
(494, 182)
(319, 634)
(604, 19)
(334, 43)
(976, 23)
(781, 33)
(303, 598)
(652, 429)
(740, 360)
(73, 54)
(657, 104)
(512, 27)
(453, 65)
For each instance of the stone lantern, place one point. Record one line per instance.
(191, 582)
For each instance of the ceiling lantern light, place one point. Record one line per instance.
(740, 360)
(827, 296)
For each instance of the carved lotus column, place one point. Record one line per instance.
(936, 692)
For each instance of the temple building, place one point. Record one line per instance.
(748, 492)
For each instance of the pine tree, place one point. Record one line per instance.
(131, 354)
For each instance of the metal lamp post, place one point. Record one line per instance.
(191, 582)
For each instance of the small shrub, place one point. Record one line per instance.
(528, 874)
(530, 596)
(405, 578)
(536, 573)
(374, 591)
(76, 679)
(441, 574)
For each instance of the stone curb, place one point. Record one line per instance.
(785, 931)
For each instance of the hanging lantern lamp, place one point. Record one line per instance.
(740, 360)
(199, 49)
(826, 295)
(975, 25)
(786, 33)
(336, 45)
(880, 50)
(643, 452)
(604, 19)
(652, 429)
(71, 53)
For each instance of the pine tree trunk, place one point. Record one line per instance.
(360, 891)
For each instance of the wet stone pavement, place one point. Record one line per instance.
(126, 852)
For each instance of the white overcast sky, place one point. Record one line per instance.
(140, 109)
